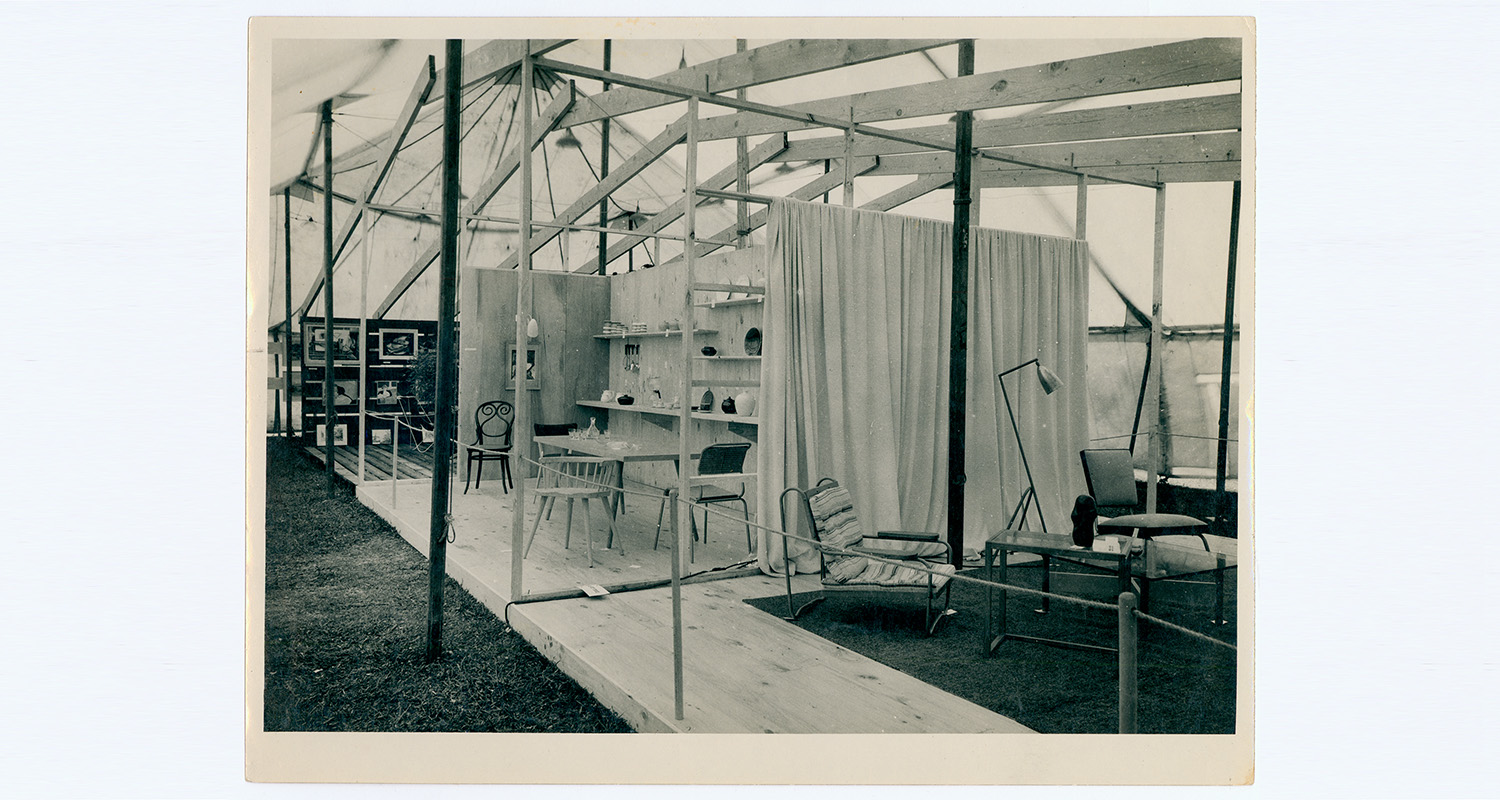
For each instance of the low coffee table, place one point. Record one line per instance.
(1141, 560)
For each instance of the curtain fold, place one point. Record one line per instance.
(855, 368)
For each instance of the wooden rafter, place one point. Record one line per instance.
(911, 191)
(618, 175)
(765, 151)
(1206, 172)
(1148, 151)
(773, 62)
(823, 183)
(1160, 66)
(546, 123)
(1192, 115)
(393, 140)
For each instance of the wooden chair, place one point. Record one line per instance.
(1110, 474)
(727, 459)
(492, 423)
(545, 451)
(827, 512)
(576, 478)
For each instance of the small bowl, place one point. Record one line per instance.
(625, 400)
(752, 342)
(710, 350)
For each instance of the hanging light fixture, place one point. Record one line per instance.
(569, 140)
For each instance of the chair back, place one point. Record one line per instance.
(826, 514)
(492, 422)
(723, 459)
(578, 474)
(1111, 477)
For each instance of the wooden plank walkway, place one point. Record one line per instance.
(413, 464)
(745, 671)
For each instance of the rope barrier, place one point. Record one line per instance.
(1168, 435)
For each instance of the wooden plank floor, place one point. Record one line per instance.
(745, 671)
(413, 464)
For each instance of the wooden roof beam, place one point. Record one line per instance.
(1157, 67)
(917, 188)
(763, 152)
(1193, 115)
(773, 62)
(546, 123)
(1086, 156)
(1205, 172)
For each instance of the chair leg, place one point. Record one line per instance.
(609, 519)
(534, 526)
(660, 514)
(748, 545)
(505, 483)
(468, 471)
(588, 527)
(567, 523)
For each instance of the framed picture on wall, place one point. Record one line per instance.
(397, 344)
(340, 435)
(345, 344)
(532, 375)
(387, 393)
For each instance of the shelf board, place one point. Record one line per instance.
(652, 334)
(670, 412)
(738, 301)
(727, 358)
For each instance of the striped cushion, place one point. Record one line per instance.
(834, 521)
(859, 571)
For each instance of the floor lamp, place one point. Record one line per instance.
(1050, 383)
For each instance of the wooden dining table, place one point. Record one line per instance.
(614, 449)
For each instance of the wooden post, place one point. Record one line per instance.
(395, 458)
(286, 200)
(447, 362)
(1129, 686)
(689, 323)
(1081, 215)
(604, 169)
(1221, 470)
(364, 332)
(742, 172)
(522, 438)
(1153, 375)
(677, 692)
(958, 330)
(329, 420)
(849, 161)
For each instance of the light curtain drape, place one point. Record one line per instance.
(855, 368)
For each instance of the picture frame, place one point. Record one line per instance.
(387, 393)
(345, 345)
(380, 436)
(399, 344)
(533, 375)
(340, 435)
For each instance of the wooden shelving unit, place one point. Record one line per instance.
(738, 301)
(670, 412)
(653, 334)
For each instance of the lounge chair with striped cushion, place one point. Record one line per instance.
(854, 561)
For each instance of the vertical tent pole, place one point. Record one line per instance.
(741, 172)
(286, 199)
(604, 167)
(1081, 215)
(364, 333)
(849, 161)
(958, 331)
(1222, 468)
(447, 364)
(522, 439)
(329, 420)
(689, 324)
(1153, 375)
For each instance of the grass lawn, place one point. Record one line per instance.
(346, 621)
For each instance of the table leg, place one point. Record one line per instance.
(1046, 585)
(1219, 593)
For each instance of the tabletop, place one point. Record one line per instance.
(612, 448)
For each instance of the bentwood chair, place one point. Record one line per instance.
(1110, 474)
(827, 513)
(726, 459)
(492, 423)
(576, 478)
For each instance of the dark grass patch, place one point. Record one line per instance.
(346, 626)
(1186, 685)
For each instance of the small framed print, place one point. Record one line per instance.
(380, 436)
(345, 344)
(398, 344)
(340, 435)
(532, 375)
(387, 393)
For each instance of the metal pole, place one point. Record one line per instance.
(1153, 375)
(604, 167)
(677, 692)
(741, 171)
(522, 443)
(1222, 468)
(329, 420)
(447, 363)
(958, 330)
(286, 199)
(1129, 685)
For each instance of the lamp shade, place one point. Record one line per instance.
(1049, 380)
(533, 330)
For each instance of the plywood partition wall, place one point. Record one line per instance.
(654, 297)
(569, 309)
